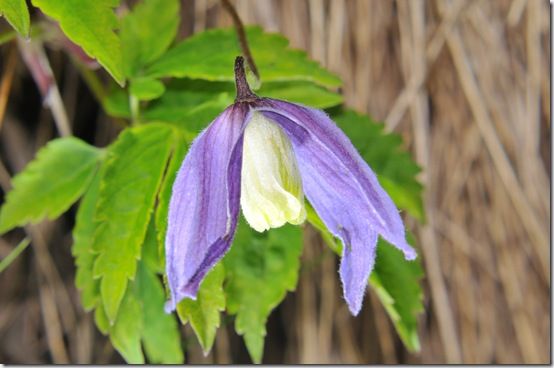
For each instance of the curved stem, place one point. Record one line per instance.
(242, 36)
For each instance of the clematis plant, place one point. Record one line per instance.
(264, 155)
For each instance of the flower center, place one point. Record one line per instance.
(271, 187)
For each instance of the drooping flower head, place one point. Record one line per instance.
(264, 155)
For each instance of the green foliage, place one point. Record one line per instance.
(146, 89)
(305, 93)
(395, 168)
(193, 104)
(83, 233)
(203, 313)
(208, 55)
(396, 283)
(16, 14)
(90, 24)
(126, 331)
(130, 180)
(50, 183)
(260, 268)
(160, 334)
(144, 40)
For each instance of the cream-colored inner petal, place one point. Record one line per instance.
(271, 187)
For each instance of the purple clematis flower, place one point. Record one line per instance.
(262, 155)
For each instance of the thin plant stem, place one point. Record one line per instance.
(14, 253)
(243, 41)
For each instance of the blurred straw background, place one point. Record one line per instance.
(467, 85)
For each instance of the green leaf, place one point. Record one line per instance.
(210, 55)
(203, 313)
(150, 255)
(16, 14)
(395, 169)
(193, 104)
(126, 332)
(50, 183)
(396, 282)
(130, 180)
(305, 93)
(146, 89)
(83, 234)
(90, 24)
(260, 268)
(116, 102)
(190, 104)
(101, 319)
(164, 196)
(146, 33)
(160, 334)
(141, 316)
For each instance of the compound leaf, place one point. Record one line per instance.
(130, 179)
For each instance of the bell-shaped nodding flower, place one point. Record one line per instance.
(263, 155)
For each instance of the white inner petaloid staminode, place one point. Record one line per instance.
(271, 188)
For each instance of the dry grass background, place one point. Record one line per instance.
(467, 85)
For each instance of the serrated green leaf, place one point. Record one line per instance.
(83, 234)
(203, 313)
(50, 183)
(17, 15)
(193, 104)
(126, 332)
(160, 335)
(90, 24)
(150, 255)
(162, 210)
(146, 33)
(305, 93)
(396, 282)
(260, 268)
(130, 180)
(395, 169)
(101, 319)
(146, 89)
(210, 55)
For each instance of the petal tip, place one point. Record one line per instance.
(354, 307)
(410, 254)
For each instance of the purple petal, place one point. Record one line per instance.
(204, 204)
(343, 190)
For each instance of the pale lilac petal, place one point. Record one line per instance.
(343, 190)
(204, 204)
